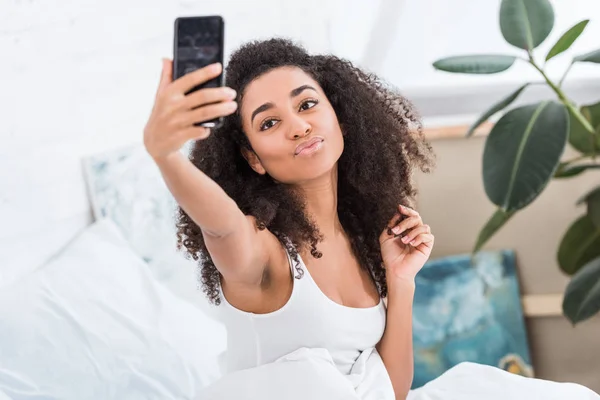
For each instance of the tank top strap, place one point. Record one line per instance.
(290, 261)
(296, 274)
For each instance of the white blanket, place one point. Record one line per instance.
(306, 374)
(311, 374)
(470, 381)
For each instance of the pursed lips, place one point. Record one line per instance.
(306, 144)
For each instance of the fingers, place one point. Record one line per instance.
(201, 75)
(402, 213)
(396, 219)
(166, 75)
(407, 211)
(207, 96)
(174, 114)
(206, 113)
(411, 235)
(407, 224)
(195, 133)
(424, 238)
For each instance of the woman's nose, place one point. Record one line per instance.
(300, 128)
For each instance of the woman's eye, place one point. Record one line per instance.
(267, 124)
(308, 104)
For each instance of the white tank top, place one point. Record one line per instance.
(308, 319)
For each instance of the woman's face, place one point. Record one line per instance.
(281, 110)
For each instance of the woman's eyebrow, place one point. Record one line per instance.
(300, 89)
(269, 105)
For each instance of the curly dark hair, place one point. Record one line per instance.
(383, 142)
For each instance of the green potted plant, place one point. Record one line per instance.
(523, 150)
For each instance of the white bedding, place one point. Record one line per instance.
(310, 374)
(470, 381)
(93, 323)
(307, 374)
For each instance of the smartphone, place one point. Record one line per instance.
(198, 42)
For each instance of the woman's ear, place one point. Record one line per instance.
(253, 161)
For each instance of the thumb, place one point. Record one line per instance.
(166, 75)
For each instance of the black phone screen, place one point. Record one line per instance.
(198, 43)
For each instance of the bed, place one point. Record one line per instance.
(115, 313)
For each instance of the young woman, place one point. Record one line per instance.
(298, 206)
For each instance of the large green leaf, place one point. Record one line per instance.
(582, 297)
(475, 64)
(526, 23)
(495, 108)
(592, 56)
(579, 245)
(522, 153)
(592, 113)
(592, 200)
(567, 39)
(567, 171)
(580, 138)
(498, 219)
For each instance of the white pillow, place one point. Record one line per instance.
(125, 184)
(93, 323)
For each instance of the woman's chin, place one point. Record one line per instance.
(314, 172)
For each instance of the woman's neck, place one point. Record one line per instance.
(321, 203)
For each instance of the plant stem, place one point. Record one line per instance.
(575, 159)
(565, 75)
(557, 90)
(561, 95)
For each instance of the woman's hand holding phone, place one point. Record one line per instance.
(171, 122)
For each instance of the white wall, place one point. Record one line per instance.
(432, 29)
(425, 30)
(78, 77)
